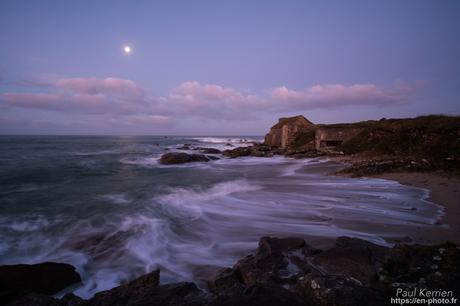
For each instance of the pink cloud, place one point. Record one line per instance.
(97, 86)
(124, 98)
(31, 100)
(208, 100)
(325, 96)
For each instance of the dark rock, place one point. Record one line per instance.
(38, 299)
(146, 291)
(181, 158)
(209, 150)
(261, 295)
(237, 152)
(45, 278)
(436, 266)
(337, 290)
(269, 265)
(186, 146)
(353, 257)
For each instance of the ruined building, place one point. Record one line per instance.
(300, 132)
(287, 130)
(327, 137)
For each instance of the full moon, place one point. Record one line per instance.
(127, 49)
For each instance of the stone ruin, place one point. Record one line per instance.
(299, 131)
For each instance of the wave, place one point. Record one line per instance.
(117, 198)
(184, 203)
(142, 161)
(232, 140)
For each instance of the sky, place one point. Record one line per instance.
(222, 67)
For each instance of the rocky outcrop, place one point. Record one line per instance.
(147, 291)
(288, 271)
(385, 164)
(208, 150)
(181, 158)
(289, 132)
(43, 278)
(255, 150)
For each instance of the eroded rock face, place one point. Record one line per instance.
(181, 158)
(45, 278)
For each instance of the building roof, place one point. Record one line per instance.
(296, 120)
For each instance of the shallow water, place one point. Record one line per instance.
(105, 205)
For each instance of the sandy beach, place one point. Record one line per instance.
(444, 190)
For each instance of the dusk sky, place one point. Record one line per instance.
(222, 67)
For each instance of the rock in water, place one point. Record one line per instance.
(209, 150)
(181, 158)
(45, 278)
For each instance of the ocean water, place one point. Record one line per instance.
(106, 206)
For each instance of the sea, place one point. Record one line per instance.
(105, 205)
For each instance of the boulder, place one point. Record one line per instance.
(44, 278)
(146, 291)
(337, 290)
(38, 299)
(436, 266)
(209, 150)
(186, 147)
(261, 295)
(353, 257)
(237, 152)
(181, 158)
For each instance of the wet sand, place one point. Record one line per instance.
(445, 191)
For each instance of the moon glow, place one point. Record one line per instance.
(127, 49)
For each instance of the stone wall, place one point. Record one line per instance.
(285, 132)
(330, 137)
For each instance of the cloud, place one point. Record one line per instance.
(335, 95)
(208, 100)
(82, 95)
(125, 101)
(31, 100)
(92, 86)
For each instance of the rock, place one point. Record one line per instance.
(408, 264)
(209, 150)
(147, 291)
(337, 290)
(181, 158)
(186, 146)
(237, 152)
(287, 271)
(261, 295)
(352, 257)
(274, 263)
(38, 299)
(44, 278)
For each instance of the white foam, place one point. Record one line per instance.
(117, 198)
(142, 161)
